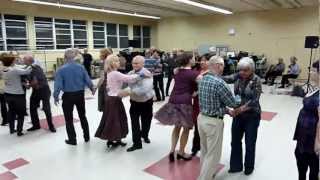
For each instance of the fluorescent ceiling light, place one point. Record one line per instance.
(88, 8)
(204, 6)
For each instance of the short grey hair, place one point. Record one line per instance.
(246, 62)
(71, 54)
(28, 56)
(216, 60)
(139, 58)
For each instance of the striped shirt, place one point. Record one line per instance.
(214, 96)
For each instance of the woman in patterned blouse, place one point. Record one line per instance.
(247, 89)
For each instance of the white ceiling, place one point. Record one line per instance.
(165, 8)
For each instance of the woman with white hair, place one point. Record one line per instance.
(247, 89)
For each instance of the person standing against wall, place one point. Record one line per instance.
(158, 77)
(87, 60)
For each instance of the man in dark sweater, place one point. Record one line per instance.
(87, 60)
(40, 92)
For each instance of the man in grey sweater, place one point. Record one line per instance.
(141, 99)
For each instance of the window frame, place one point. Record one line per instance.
(96, 31)
(82, 30)
(41, 39)
(5, 38)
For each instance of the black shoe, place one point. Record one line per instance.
(4, 124)
(111, 144)
(33, 128)
(73, 143)
(194, 153)
(248, 171)
(232, 171)
(181, 157)
(12, 132)
(171, 157)
(53, 129)
(20, 134)
(281, 87)
(120, 143)
(265, 82)
(133, 148)
(86, 139)
(147, 140)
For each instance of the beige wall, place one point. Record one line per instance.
(30, 11)
(274, 33)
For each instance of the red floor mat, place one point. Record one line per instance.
(179, 170)
(58, 121)
(15, 163)
(268, 116)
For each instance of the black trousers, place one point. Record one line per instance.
(4, 109)
(17, 109)
(246, 125)
(42, 94)
(196, 140)
(272, 75)
(158, 87)
(88, 69)
(71, 99)
(305, 161)
(170, 77)
(143, 111)
(286, 77)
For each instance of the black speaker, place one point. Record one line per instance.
(312, 42)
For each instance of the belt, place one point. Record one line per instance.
(213, 116)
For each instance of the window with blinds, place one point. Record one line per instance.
(1, 34)
(137, 36)
(112, 35)
(63, 33)
(123, 36)
(146, 36)
(44, 33)
(79, 34)
(99, 40)
(16, 32)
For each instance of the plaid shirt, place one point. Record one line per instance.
(214, 96)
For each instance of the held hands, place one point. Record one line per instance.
(235, 112)
(56, 102)
(93, 90)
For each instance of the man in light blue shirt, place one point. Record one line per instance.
(293, 72)
(72, 79)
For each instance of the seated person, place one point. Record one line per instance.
(293, 72)
(274, 71)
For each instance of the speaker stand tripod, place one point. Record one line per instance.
(308, 84)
